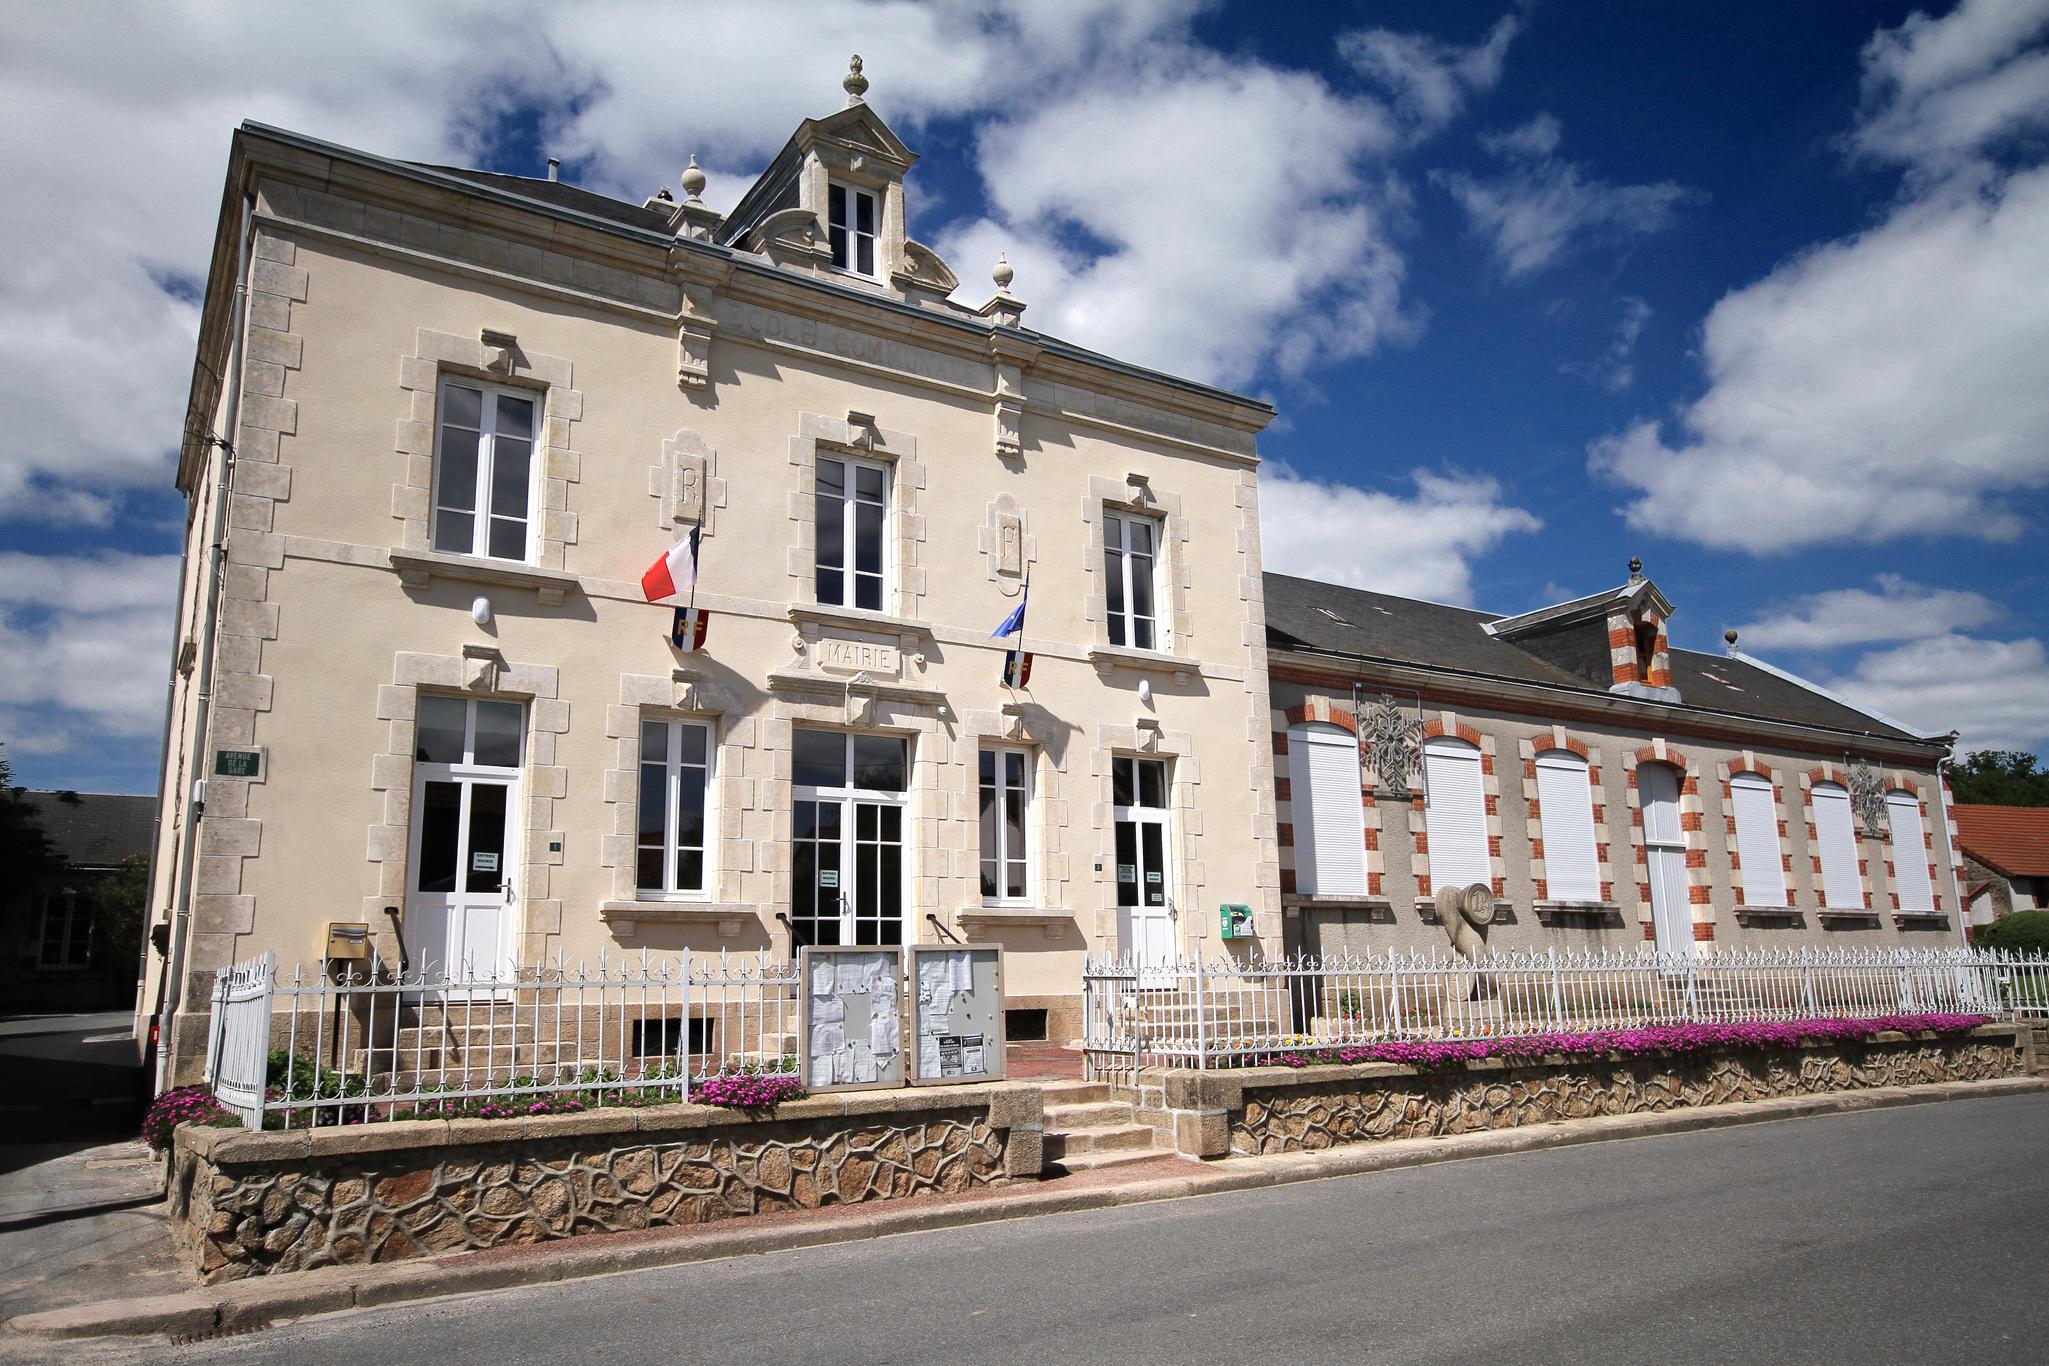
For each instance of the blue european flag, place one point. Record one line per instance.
(1013, 625)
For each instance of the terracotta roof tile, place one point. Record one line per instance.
(2013, 839)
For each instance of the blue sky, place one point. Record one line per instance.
(1756, 291)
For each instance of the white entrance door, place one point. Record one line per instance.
(1665, 854)
(461, 910)
(1145, 901)
(847, 869)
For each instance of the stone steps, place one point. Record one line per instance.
(1098, 1138)
(1067, 1116)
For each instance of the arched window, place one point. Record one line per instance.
(1330, 822)
(1836, 838)
(1909, 851)
(1455, 814)
(1565, 803)
(1757, 839)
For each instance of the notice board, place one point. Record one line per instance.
(956, 1013)
(852, 1031)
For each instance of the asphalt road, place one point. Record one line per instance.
(1910, 1235)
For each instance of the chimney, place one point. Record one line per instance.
(554, 168)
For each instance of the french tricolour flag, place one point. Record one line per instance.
(675, 572)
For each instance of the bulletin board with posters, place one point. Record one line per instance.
(956, 1014)
(851, 1034)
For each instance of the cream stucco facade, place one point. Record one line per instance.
(683, 379)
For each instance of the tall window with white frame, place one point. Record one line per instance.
(1455, 814)
(1329, 817)
(675, 781)
(1756, 813)
(484, 470)
(851, 225)
(1130, 566)
(852, 507)
(1835, 833)
(1145, 903)
(847, 837)
(1909, 851)
(1006, 794)
(1565, 804)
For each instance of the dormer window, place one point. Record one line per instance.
(1646, 649)
(852, 221)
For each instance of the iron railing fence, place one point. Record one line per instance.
(1223, 1012)
(341, 1043)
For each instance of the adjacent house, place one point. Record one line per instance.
(445, 419)
(65, 949)
(2005, 852)
(1610, 789)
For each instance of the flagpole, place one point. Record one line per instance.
(696, 568)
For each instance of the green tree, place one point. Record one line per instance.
(121, 909)
(25, 855)
(1999, 777)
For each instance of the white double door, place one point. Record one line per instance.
(1145, 902)
(1664, 843)
(462, 920)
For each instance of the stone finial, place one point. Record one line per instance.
(693, 181)
(1003, 274)
(1729, 636)
(855, 84)
(1636, 569)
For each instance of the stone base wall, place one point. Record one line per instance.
(1281, 1109)
(247, 1204)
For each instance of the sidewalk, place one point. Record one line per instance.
(264, 1301)
(83, 1224)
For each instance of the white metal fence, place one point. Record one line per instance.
(1224, 1013)
(340, 1043)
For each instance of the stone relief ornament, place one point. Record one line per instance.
(1394, 744)
(1867, 799)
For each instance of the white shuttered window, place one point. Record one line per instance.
(1909, 852)
(1330, 825)
(1455, 814)
(1565, 803)
(1841, 889)
(1757, 840)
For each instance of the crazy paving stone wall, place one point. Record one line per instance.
(1321, 1108)
(237, 1217)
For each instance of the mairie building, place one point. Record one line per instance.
(441, 423)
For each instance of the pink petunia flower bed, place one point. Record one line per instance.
(1642, 1041)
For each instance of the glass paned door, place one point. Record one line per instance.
(461, 910)
(847, 838)
(1145, 903)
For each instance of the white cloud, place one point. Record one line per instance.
(1615, 368)
(1899, 610)
(1429, 81)
(1420, 546)
(1886, 385)
(1204, 216)
(1937, 92)
(84, 644)
(1995, 692)
(1541, 206)
(1890, 383)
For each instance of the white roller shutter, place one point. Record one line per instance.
(1455, 814)
(1330, 824)
(1909, 852)
(1757, 840)
(1841, 889)
(1565, 803)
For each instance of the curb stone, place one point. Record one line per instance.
(301, 1294)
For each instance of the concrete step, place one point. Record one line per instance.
(1114, 1157)
(1087, 1114)
(1097, 1139)
(1074, 1092)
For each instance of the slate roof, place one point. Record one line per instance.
(1432, 635)
(2013, 839)
(561, 195)
(94, 829)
